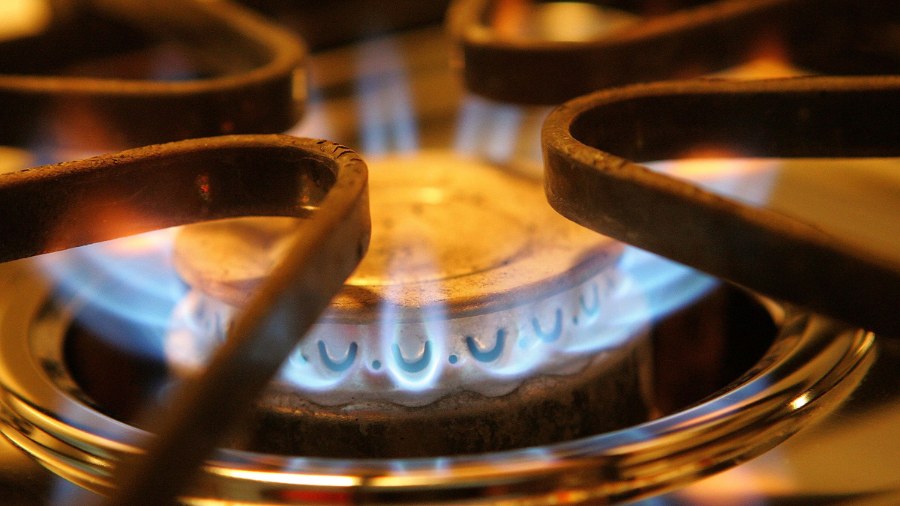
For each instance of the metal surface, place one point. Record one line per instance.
(758, 248)
(630, 42)
(116, 73)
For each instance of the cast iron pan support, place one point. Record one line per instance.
(74, 203)
(592, 146)
(88, 80)
(676, 39)
(65, 86)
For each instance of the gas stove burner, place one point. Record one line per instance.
(55, 416)
(685, 390)
(59, 408)
(475, 297)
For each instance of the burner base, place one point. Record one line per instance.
(609, 393)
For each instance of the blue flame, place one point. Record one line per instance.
(408, 351)
(384, 100)
(107, 286)
(488, 129)
(664, 286)
(418, 360)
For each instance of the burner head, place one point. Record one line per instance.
(475, 300)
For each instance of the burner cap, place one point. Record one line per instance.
(448, 232)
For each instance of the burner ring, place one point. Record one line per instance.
(812, 366)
